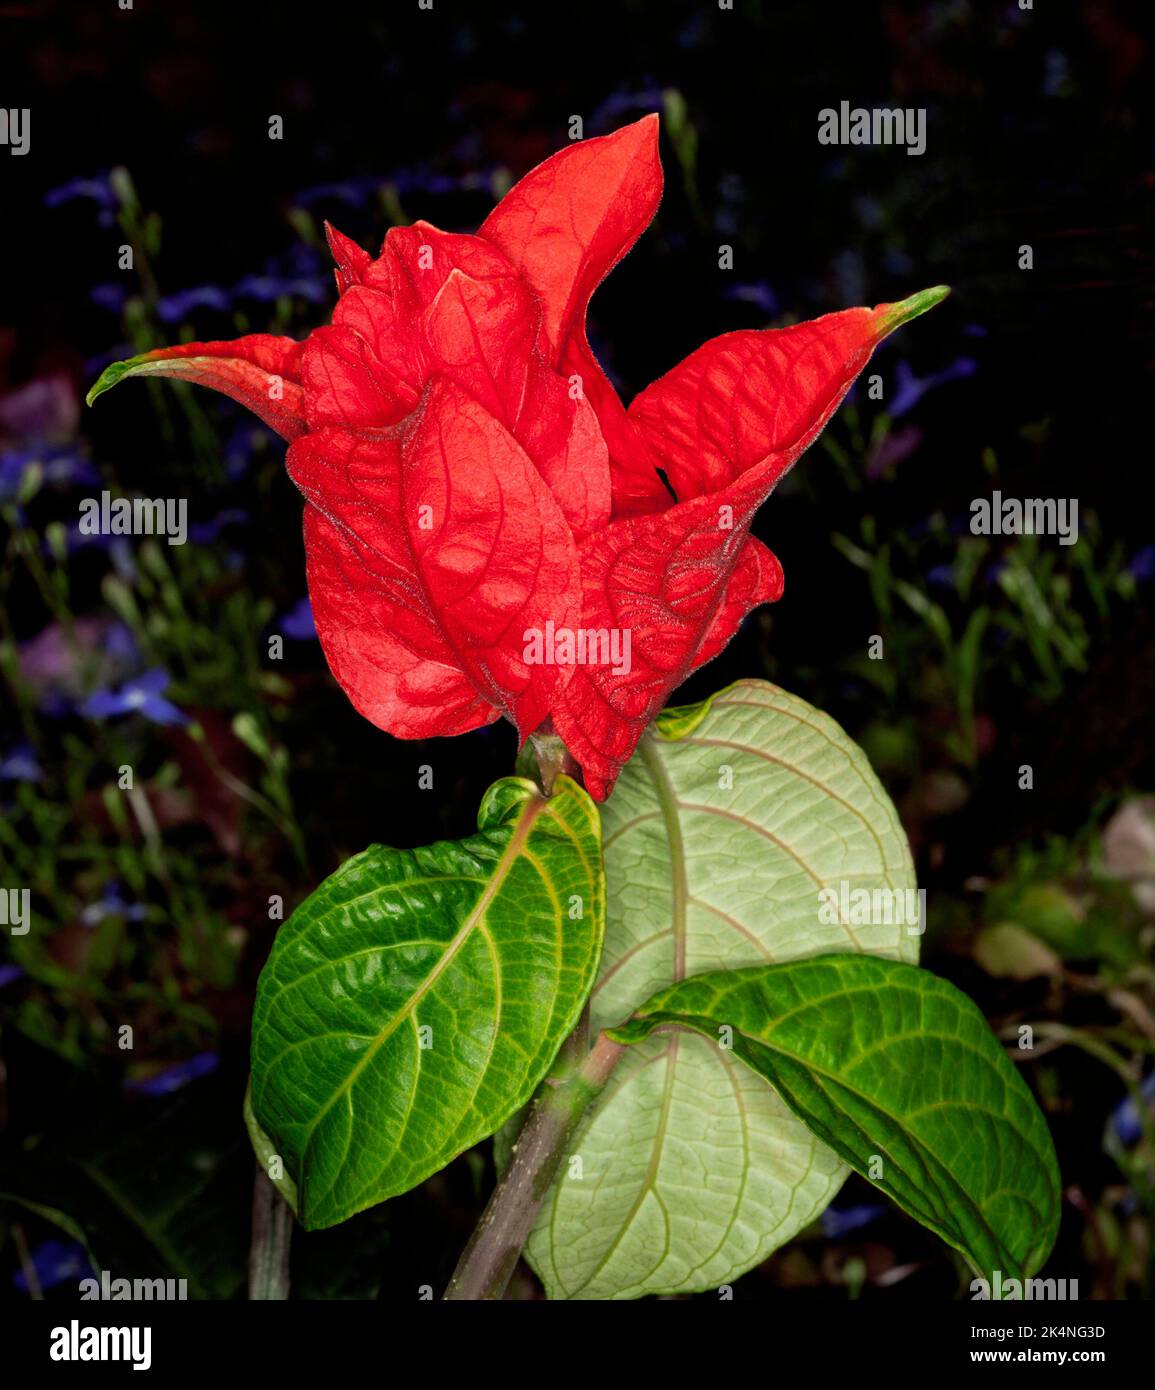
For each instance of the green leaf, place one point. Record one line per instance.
(266, 1151)
(898, 1072)
(418, 997)
(720, 833)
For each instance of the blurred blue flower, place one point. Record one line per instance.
(93, 366)
(1125, 1119)
(120, 643)
(174, 308)
(9, 974)
(841, 1221)
(421, 179)
(55, 1262)
(911, 389)
(240, 445)
(141, 695)
(759, 294)
(941, 576)
(112, 904)
(162, 1083)
(297, 624)
(619, 106)
(269, 288)
(205, 532)
(110, 297)
(1142, 565)
(355, 192)
(19, 764)
(12, 465)
(62, 465)
(98, 188)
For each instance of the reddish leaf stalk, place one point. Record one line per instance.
(486, 1266)
(272, 1233)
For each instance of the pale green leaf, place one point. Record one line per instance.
(721, 831)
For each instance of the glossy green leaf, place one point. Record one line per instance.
(417, 998)
(723, 828)
(897, 1071)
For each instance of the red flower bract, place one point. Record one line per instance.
(472, 480)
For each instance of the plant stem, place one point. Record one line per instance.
(269, 1244)
(488, 1262)
(553, 757)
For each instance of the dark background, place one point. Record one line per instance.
(1039, 132)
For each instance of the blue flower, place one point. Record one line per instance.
(12, 465)
(110, 297)
(112, 905)
(1142, 566)
(173, 1078)
(355, 192)
(62, 465)
(911, 390)
(9, 974)
(759, 294)
(56, 1262)
(1125, 1119)
(205, 532)
(19, 764)
(141, 695)
(240, 445)
(269, 288)
(611, 112)
(99, 189)
(840, 1221)
(174, 308)
(297, 624)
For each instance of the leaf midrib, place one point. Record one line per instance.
(532, 810)
(682, 1022)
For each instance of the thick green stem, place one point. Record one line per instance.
(485, 1268)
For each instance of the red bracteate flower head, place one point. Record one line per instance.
(487, 528)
